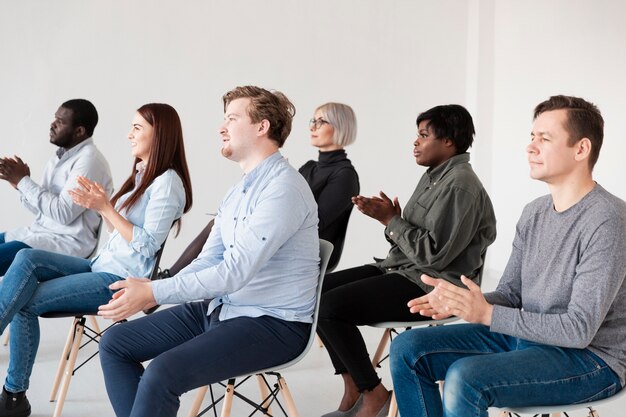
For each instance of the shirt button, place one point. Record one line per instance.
(390, 233)
(231, 246)
(263, 238)
(234, 218)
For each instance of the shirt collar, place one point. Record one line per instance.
(440, 170)
(261, 169)
(63, 153)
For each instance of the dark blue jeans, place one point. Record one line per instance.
(484, 369)
(8, 250)
(188, 350)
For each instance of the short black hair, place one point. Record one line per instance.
(450, 121)
(83, 114)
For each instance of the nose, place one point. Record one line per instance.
(223, 129)
(130, 134)
(416, 141)
(531, 148)
(312, 127)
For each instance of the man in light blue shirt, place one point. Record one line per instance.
(60, 225)
(257, 275)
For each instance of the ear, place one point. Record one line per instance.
(79, 132)
(264, 127)
(583, 149)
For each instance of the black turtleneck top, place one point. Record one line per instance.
(333, 181)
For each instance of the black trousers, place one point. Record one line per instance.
(356, 297)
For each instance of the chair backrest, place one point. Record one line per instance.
(326, 249)
(157, 261)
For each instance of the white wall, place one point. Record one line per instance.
(388, 59)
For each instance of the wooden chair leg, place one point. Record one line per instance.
(290, 405)
(197, 402)
(69, 370)
(393, 407)
(317, 338)
(265, 393)
(7, 332)
(380, 350)
(63, 361)
(94, 324)
(228, 398)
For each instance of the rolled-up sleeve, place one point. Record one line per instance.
(165, 204)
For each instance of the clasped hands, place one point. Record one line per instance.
(89, 194)
(13, 170)
(446, 299)
(379, 208)
(133, 295)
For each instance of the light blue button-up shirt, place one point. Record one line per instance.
(152, 217)
(60, 225)
(262, 256)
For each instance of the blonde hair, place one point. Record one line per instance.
(342, 118)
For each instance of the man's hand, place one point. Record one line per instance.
(379, 208)
(13, 170)
(90, 194)
(449, 300)
(134, 295)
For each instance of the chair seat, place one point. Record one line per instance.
(399, 324)
(547, 409)
(61, 314)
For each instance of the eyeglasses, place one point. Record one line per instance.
(317, 123)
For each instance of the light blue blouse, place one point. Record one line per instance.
(152, 217)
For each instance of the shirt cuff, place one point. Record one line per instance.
(394, 227)
(161, 289)
(503, 319)
(27, 186)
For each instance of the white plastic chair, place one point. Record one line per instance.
(67, 364)
(269, 395)
(556, 410)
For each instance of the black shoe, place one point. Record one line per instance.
(14, 405)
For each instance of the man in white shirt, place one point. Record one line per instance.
(60, 225)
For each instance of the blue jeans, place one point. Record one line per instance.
(189, 350)
(483, 369)
(38, 282)
(8, 250)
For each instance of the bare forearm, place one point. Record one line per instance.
(118, 222)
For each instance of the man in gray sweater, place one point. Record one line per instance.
(554, 330)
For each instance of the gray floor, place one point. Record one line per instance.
(314, 387)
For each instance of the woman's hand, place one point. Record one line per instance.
(90, 194)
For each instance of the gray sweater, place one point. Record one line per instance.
(564, 283)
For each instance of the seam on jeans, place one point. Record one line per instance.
(554, 381)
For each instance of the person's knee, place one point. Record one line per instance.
(161, 376)
(24, 255)
(398, 350)
(111, 341)
(462, 384)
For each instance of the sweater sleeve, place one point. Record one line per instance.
(599, 275)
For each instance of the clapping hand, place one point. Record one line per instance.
(13, 170)
(89, 194)
(379, 208)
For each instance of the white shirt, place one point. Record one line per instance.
(60, 225)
